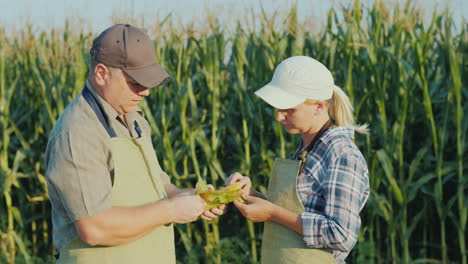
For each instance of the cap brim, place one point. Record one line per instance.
(150, 76)
(278, 98)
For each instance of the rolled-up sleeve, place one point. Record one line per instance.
(345, 189)
(77, 172)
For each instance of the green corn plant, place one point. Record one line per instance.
(457, 98)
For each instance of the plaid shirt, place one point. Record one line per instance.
(333, 187)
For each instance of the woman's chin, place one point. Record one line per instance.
(292, 130)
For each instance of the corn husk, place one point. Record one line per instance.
(223, 195)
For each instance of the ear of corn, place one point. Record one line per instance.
(223, 195)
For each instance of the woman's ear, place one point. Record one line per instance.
(320, 107)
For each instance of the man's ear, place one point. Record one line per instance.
(101, 73)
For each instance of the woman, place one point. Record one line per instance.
(312, 211)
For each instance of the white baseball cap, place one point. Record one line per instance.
(295, 80)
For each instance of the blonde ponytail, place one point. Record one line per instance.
(342, 111)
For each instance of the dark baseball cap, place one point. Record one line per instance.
(130, 49)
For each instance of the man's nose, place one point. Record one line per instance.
(144, 91)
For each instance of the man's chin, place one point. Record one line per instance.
(129, 109)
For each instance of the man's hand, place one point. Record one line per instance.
(173, 191)
(186, 192)
(211, 214)
(256, 209)
(186, 209)
(214, 212)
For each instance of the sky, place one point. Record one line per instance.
(95, 16)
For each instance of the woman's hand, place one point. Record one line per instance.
(243, 180)
(256, 209)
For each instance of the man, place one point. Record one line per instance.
(111, 201)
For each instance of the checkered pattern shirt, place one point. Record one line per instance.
(333, 187)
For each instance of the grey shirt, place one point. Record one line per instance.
(79, 165)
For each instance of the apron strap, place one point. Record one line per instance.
(88, 96)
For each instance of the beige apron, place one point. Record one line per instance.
(280, 244)
(136, 182)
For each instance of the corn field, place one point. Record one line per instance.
(407, 78)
